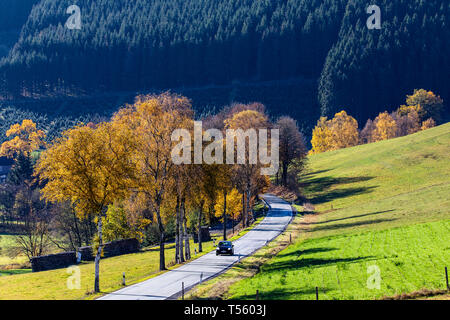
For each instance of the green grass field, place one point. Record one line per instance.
(384, 204)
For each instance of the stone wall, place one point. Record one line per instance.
(204, 234)
(53, 261)
(111, 249)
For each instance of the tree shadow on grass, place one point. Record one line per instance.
(351, 217)
(299, 252)
(302, 263)
(281, 294)
(348, 225)
(323, 183)
(339, 193)
(317, 188)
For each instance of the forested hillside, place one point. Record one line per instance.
(237, 48)
(368, 70)
(13, 14)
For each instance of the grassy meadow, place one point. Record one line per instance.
(384, 204)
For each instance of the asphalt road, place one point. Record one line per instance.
(169, 284)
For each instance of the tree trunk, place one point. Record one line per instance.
(162, 259)
(224, 215)
(284, 174)
(177, 233)
(97, 257)
(187, 246)
(181, 235)
(200, 249)
(243, 208)
(248, 207)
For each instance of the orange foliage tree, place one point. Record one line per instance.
(385, 127)
(25, 138)
(150, 123)
(91, 168)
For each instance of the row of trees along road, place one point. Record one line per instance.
(125, 166)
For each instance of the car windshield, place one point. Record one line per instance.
(224, 244)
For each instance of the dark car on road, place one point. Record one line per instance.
(225, 247)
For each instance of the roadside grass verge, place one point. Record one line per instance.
(383, 204)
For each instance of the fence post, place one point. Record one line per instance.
(123, 279)
(446, 279)
(317, 293)
(182, 290)
(257, 294)
(201, 277)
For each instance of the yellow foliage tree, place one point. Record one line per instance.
(428, 124)
(25, 138)
(246, 175)
(121, 224)
(432, 104)
(150, 123)
(321, 137)
(91, 168)
(405, 110)
(247, 119)
(233, 205)
(385, 127)
(344, 131)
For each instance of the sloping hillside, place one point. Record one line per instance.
(385, 205)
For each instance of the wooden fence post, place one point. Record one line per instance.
(446, 278)
(317, 293)
(182, 290)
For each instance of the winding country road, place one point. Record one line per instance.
(169, 284)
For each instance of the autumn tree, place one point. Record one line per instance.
(428, 124)
(184, 177)
(24, 138)
(249, 122)
(337, 133)
(321, 137)
(34, 241)
(366, 132)
(344, 131)
(292, 147)
(432, 104)
(385, 127)
(120, 224)
(202, 194)
(90, 168)
(407, 119)
(151, 120)
(229, 207)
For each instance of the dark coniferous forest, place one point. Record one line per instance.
(303, 58)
